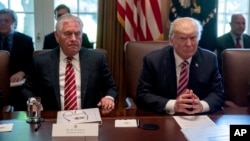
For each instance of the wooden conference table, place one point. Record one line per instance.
(169, 130)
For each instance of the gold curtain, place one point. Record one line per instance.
(110, 35)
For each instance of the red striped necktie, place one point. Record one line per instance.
(70, 99)
(183, 79)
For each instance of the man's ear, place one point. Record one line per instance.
(56, 36)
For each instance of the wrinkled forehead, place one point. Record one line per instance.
(69, 25)
(186, 27)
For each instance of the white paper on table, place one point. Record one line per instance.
(19, 83)
(6, 127)
(79, 116)
(194, 121)
(211, 133)
(126, 123)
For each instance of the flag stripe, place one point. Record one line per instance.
(141, 19)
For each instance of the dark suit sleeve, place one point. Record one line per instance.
(155, 85)
(46, 42)
(223, 42)
(50, 41)
(216, 95)
(43, 80)
(21, 53)
(85, 41)
(205, 79)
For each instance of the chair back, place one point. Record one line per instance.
(236, 75)
(41, 51)
(134, 53)
(4, 75)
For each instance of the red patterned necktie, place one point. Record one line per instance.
(238, 45)
(70, 99)
(183, 79)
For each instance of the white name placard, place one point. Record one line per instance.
(83, 132)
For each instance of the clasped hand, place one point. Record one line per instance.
(188, 103)
(106, 105)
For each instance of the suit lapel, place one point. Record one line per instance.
(246, 41)
(170, 78)
(194, 70)
(85, 68)
(230, 41)
(53, 62)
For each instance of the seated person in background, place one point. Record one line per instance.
(21, 51)
(229, 40)
(50, 40)
(163, 86)
(92, 81)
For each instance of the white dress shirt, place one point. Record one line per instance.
(169, 107)
(62, 69)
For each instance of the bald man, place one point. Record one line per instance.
(229, 40)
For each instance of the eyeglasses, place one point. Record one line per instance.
(71, 116)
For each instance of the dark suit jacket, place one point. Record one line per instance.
(226, 41)
(50, 41)
(96, 79)
(21, 53)
(158, 82)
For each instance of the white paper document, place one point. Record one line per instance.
(6, 127)
(210, 133)
(194, 121)
(75, 132)
(79, 116)
(202, 128)
(126, 123)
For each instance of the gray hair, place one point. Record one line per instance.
(12, 13)
(67, 18)
(174, 26)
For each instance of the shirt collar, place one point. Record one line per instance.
(179, 60)
(234, 36)
(64, 57)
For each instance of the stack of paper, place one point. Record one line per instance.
(77, 125)
(6, 127)
(202, 128)
(79, 116)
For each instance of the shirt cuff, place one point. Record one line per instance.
(169, 108)
(110, 97)
(205, 106)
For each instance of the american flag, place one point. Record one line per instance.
(141, 19)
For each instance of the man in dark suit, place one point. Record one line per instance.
(21, 50)
(50, 40)
(18, 44)
(161, 76)
(95, 86)
(229, 40)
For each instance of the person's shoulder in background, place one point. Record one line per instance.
(50, 41)
(85, 41)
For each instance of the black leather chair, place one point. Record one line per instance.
(134, 53)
